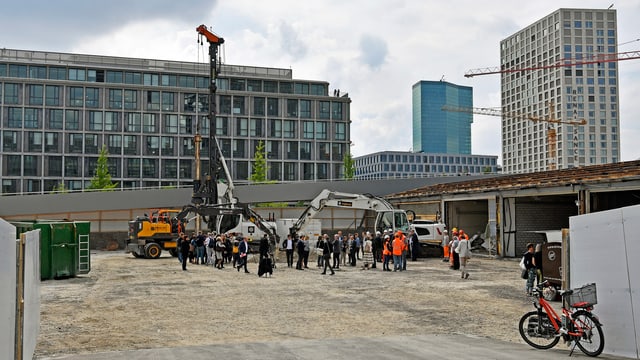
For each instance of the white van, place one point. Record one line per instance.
(430, 235)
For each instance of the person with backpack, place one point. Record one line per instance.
(530, 268)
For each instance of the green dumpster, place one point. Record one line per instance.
(64, 250)
(64, 247)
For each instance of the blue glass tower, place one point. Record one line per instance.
(436, 130)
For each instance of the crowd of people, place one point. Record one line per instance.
(217, 250)
(457, 251)
(370, 249)
(367, 250)
(347, 250)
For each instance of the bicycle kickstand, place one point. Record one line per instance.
(573, 347)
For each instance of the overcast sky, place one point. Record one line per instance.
(373, 50)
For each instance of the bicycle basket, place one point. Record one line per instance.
(584, 296)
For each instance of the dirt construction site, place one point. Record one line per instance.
(126, 303)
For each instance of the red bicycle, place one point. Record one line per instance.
(543, 328)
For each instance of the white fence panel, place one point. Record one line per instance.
(598, 254)
(31, 325)
(8, 297)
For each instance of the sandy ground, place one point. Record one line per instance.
(126, 303)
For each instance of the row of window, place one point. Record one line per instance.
(427, 159)
(174, 172)
(412, 168)
(136, 168)
(172, 124)
(128, 99)
(74, 143)
(156, 79)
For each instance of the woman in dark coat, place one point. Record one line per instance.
(185, 245)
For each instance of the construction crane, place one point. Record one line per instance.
(585, 59)
(207, 192)
(205, 200)
(552, 138)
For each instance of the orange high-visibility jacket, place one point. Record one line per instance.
(385, 250)
(398, 246)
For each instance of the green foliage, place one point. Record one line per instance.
(349, 167)
(102, 178)
(59, 188)
(259, 171)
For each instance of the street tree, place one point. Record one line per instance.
(349, 166)
(102, 178)
(260, 168)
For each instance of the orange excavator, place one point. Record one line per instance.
(149, 235)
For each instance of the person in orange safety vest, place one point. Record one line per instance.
(386, 253)
(398, 247)
(445, 246)
(452, 244)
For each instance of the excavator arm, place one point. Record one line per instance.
(211, 212)
(328, 198)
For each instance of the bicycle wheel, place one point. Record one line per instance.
(537, 330)
(592, 341)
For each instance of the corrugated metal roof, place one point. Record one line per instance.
(607, 173)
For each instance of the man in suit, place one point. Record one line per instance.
(243, 250)
(288, 245)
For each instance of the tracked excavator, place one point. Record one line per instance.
(212, 198)
(387, 217)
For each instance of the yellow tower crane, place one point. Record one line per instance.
(552, 137)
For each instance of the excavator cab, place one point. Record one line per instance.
(392, 219)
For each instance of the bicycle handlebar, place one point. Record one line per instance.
(539, 287)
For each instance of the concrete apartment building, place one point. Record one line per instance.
(58, 109)
(583, 91)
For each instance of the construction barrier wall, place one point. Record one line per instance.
(19, 271)
(603, 249)
(7, 281)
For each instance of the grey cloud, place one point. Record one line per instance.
(54, 25)
(373, 51)
(291, 43)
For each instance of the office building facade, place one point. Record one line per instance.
(406, 164)
(436, 130)
(586, 91)
(57, 110)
